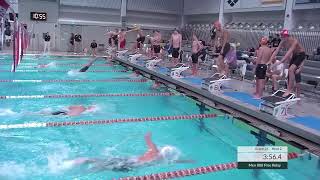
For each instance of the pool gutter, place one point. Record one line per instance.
(231, 105)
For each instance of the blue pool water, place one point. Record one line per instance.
(40, 153)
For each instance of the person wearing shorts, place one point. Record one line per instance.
(122, 37)
(275, 73)
(221, 39)
(176, 44)
(195, 49)
(298, 80)
(155, 41)
(140, 39)
(264, 55)
(297, 54)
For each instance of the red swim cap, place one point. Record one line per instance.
(284, 33)
(264, 41)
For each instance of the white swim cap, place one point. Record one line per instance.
(169, 153)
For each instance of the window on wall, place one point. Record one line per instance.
(307, 1)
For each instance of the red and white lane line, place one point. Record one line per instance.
(194, 171)
(70, 80)
(86, 95)
(58, 64)
(41, 71)
(105, 122)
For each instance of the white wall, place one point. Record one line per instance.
(156, 20)
(78, 14)
(156, 6)
(307, 16)
(155, 13)
(252, 5)
(264, 16)
(201, 7)
(39, 27)
(108, 4)
(201, 18)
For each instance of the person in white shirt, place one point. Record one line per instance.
(275, 73)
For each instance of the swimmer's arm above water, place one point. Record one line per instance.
(150, 144)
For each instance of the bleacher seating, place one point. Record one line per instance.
(248, 33)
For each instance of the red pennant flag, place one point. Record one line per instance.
(3, 7)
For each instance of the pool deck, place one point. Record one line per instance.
(275, 127)
(237, 97)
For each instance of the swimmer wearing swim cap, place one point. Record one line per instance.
(87, 66)
(295, 57)
(123, 164)
(263, 57)
(73, 110)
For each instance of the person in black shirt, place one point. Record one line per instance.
(77, 39)
(212, 35)
(46, 38)
(94, 46)
(275, 41)
(71, 41)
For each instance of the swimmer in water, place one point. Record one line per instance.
(73, 110)
(7, 112)
(151, 156)
(52, 64)
(87, 66)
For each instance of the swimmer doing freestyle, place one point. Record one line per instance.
(152, 156)
(75, 110)
(87, 66)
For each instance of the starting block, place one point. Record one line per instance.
(213, 84)
(277, 105)
(121, 53)
(133, 58)
(152, 63)
(177, 70)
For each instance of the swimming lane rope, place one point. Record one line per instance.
(70, 80)
(100, 122)
(58, 64)
(194, 171)
(87, 95)
(31, 71)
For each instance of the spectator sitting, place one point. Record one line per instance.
(275, 73)
(231, 59)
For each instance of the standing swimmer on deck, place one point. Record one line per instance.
(294, 56)
(264, 55)
(151, 156)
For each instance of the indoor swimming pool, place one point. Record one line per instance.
(45, 153)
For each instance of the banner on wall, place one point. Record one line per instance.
(3, 7)
(233, 3)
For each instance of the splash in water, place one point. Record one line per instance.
(74, 73)
(170, 153)
(12, 170)
(56, 160)
(7, 112)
